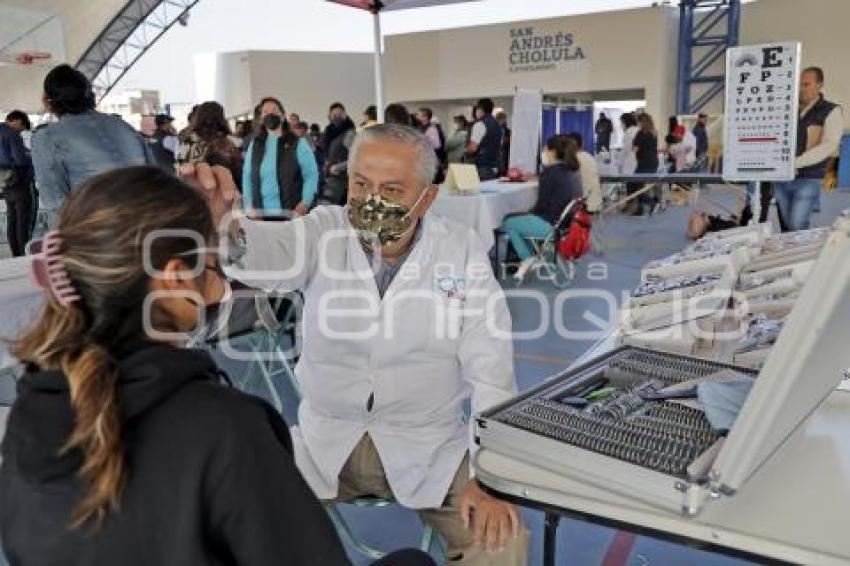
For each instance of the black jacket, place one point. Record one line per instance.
(13, 152)
(334, 143)
(290, 182)
(558, 186)
(212, 478)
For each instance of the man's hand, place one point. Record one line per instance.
(492, 519)
(301, 209)
(216, 185)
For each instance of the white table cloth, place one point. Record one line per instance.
(485, 210)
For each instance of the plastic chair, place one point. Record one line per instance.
(546, 260)
(262, 331)
(259, 325)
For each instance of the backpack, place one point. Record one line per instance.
(576, 242)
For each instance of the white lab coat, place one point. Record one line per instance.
(628, 159)
(689, 141)
(591, 188)
(419, 378)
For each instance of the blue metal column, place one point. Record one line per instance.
(706, 29)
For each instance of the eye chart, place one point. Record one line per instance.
(762, 83)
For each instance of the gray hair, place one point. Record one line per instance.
(426, 162)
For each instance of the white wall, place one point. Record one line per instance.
(821, 26)
(630, 49)
(306, 82)
(225, 78)
(624, 50)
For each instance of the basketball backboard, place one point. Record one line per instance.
(30, 37)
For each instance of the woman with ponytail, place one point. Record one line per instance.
(82, 142)
(124, 447)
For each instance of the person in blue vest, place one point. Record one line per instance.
(819, 129)
(485, 141)
(280, 174)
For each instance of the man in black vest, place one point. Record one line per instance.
(485, 141)
(819, 130)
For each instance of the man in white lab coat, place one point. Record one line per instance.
(403, 322)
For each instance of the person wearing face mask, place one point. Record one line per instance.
(485, 141)
(404, 322)
(281, 175)
(337, 141)
(456, 144)
(119, 430)
(560, 183)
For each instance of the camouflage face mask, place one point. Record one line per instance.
(378, 220)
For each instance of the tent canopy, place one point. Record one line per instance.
(388, 5)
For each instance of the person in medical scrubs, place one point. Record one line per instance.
(403, 323)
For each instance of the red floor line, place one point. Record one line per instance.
(620, 549)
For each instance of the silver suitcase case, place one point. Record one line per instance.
(668, 457)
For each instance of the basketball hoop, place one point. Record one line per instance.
(32, 57)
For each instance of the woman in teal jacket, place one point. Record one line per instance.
(280, 175)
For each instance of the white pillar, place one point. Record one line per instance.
(379, 71)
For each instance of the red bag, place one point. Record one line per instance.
(576, 242)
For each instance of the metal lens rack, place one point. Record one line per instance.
(627, 424)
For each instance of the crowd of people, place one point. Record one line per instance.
(281, 165)
(137, 434)
(118, 430)
(682, 150)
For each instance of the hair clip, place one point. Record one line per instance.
(49, 271)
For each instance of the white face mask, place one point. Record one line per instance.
(546, 159)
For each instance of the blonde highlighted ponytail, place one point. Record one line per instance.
(92, 379)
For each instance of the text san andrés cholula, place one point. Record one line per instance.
(531, 52)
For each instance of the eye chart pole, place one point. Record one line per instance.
(760, 140)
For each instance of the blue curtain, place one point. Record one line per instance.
(549, 118)
(580, 121)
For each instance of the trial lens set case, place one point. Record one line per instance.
(660, 451)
